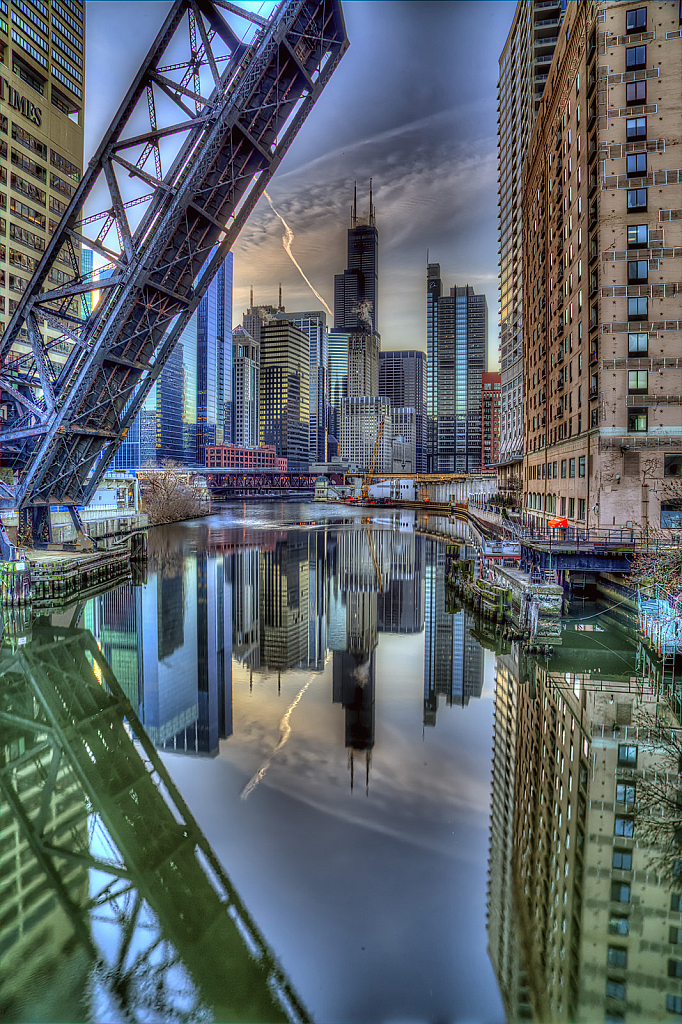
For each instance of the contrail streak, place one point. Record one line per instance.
(287, 239)
(284, 727)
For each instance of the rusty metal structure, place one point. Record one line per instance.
(216, 109)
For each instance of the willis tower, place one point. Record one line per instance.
(356, 291)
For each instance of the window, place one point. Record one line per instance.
(615, 989)
(672, 466)
(638, 308)
(635, 57)
(637, 421)
(563, 468)
(676, 901)
(571, 508)
(675, 968)
(673, 1004)
(617, 956)
(638, 236)
(635, 92)
(636, 199)
(627, 755)
(581, 506)
(671, 515)
(554, 470)
(675, 935)
(638, 381)
(619, 925)
(622, 860)
(638, 271)
(635, 128)
(638, 344)
(625, 793)
(624, 827)
(635, 20)
(571, 467)
(635, 165)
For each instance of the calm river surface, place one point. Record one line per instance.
(421, 822)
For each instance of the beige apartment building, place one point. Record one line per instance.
(42, 76)
(602, 262)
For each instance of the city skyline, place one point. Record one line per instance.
(426, 149)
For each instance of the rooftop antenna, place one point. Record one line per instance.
(355, 204)
(281, 307)
(371, 208)
(251, 296)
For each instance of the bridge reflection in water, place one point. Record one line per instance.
(111, 895)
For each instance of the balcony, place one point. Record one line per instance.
(592, 184)
(560, 357)
(559, 332)
(591, 116)
(594, 323)
(559, 386)
(559, 415)
(594, 356)
(560, 272)
(594, 393)
(594, 253)
(558, 139)
(591, 150)
(591, 82)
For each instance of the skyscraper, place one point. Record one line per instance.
(337, 342)
(245, 389)
(402, 379)
(314, 324)
(214, 362)
(524, 66)
(457, 344)
(190, 405)
(363, 365)
(285, 391)
(356, 291)
(490, 422)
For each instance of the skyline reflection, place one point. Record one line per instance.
(274, 601)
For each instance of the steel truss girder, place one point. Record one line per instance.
(76, 756)
(68, 404)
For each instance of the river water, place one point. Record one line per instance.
(420, 821)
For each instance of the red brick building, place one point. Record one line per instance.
(490, 426)
(228, 456)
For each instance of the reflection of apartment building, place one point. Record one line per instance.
(601, 272)
(592, 930)
(246, 606)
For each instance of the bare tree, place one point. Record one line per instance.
(171, 494)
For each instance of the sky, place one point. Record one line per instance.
(412, 105)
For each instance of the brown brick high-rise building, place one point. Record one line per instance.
(602, 213)
(490, 421)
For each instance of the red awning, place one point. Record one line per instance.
(559, 524)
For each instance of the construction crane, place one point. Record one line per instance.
(364, 494)
(218, 109)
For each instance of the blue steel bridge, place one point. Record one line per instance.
(206, 121)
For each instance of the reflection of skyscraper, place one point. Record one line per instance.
(246, 607)
(171, 643)
(453, 660)
(400, 608)
(115, 619)
(317, 595)
(284, 603)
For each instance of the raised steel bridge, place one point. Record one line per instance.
(219, 112)
(101, 854)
